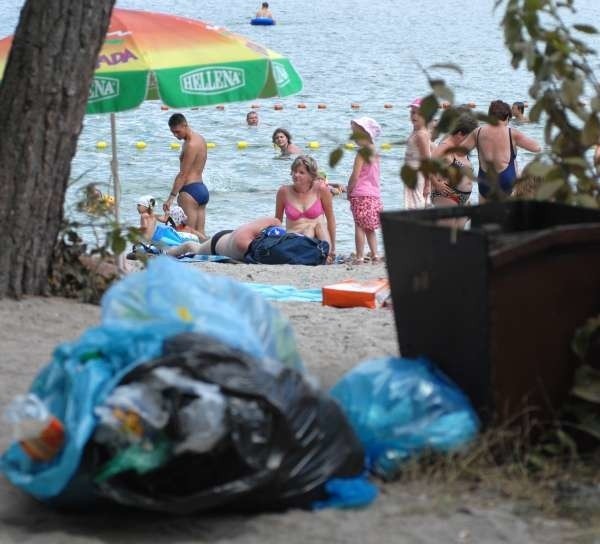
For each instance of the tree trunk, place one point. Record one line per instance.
(42, 103)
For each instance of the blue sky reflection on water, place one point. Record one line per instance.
(352, 51)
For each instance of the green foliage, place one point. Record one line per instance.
(537, 36)
(583, 409)
(84, 272)
(587, 339)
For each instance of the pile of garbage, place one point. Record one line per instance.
(191, 396)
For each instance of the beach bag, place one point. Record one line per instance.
(289, 248)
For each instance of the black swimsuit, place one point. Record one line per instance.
(215, 239)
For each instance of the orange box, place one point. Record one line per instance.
(351, 293)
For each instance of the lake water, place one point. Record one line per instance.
(346, 52)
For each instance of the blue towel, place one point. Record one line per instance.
(191, 258)
(286, 293)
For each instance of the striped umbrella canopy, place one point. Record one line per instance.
(181, 62)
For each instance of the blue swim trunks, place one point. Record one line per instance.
(197, 191)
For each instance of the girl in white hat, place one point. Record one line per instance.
(364, 192)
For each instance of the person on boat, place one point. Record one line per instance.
(189, 187)
(307, 204)
(497, 149)
(283, 140)
(264, 12)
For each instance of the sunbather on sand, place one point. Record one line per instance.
(306, 204)
(230, 243)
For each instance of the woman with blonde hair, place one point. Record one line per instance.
(307, 203)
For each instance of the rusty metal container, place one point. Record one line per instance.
(496, 305)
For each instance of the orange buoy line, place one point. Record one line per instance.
(322, 106)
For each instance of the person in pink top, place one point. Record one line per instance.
(364, 193)
(307, 204)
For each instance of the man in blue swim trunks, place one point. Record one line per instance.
(188, 187)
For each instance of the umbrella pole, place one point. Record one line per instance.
(114, 165)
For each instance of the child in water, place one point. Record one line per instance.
(363, 190)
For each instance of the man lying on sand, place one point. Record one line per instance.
(230, 243)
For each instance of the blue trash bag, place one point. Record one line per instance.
(401, 407)
(200, 302)
(138, 314)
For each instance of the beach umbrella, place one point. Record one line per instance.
(181, 62)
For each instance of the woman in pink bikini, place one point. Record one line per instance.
(307, 204)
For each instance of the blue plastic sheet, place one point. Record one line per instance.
(138, 314)
(401, 407)
(347, 493)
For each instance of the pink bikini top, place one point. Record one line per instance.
(293, 213)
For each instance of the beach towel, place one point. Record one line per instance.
(286, 293)
(192, 258)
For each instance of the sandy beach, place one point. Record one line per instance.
(331, 341)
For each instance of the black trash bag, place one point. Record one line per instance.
(284, 438)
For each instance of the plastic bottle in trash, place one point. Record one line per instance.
(39, 433)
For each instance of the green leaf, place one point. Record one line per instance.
(536, 111)
(118, 244)
(587, 384)
(429, 107)
(447, 66)
(549, 188)
(335, 156)
(591, 131)
(575, 161)
(409, 176)
(447, 120)
(537, 169)
(588, 29)
(532, 5)
(587, 201)
(442, 91)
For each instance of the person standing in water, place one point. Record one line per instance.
(518, 112)
(497, 145)
(283, 140)
(252, 119)
(418, 147)
(188, 187)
